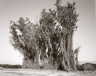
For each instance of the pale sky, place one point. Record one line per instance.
(14, 9)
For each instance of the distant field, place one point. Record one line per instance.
(33, 72)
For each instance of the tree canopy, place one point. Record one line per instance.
(51, 38)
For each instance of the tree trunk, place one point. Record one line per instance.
(71, 54)
(76, 59)
(27, 63)
(63, 55)
(36, 59)
(68, 52)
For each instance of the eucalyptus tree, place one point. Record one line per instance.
(23, 38)
(54, 32)
(58, 26)
(47, 30)
(67, 18)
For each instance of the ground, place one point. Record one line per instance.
(41, 72)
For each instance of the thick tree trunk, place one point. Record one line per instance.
(63, 55)
(67, 55)
(68, 52)
(71, 54)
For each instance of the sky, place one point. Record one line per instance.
(85, 36)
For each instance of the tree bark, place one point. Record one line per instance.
(71, 54)
(63, 54)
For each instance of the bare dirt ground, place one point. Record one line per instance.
(41, 72)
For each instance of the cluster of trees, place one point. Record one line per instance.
(51, 38)
(10, 66)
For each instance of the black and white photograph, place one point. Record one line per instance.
(47, 38)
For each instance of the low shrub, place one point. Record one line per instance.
(88, 67)
(79, 67)
(10, 66)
